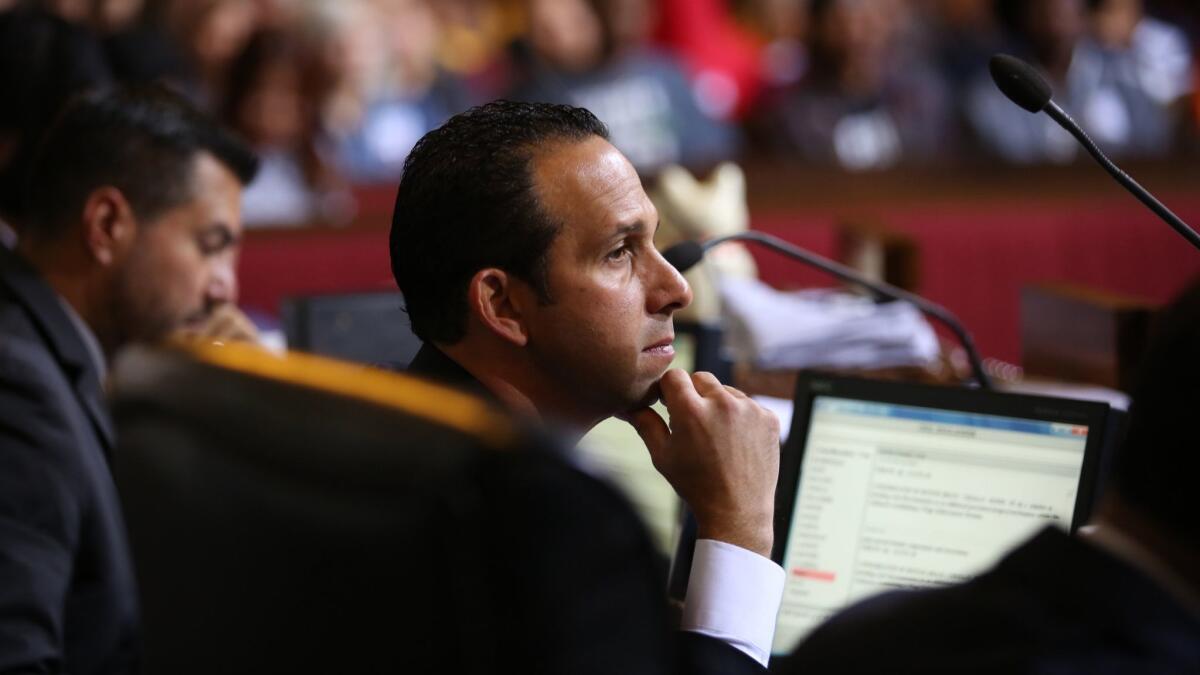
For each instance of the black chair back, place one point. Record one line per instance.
(306, 516)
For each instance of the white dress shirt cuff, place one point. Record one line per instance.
(733, 595)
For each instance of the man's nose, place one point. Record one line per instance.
(222, 285)
(668, 291)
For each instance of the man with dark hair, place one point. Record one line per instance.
(523, 243)
(1123, 596)
(130, 232)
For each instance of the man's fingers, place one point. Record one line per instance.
(677, 389)
(706, 383)
(650, 427)
(227, 323)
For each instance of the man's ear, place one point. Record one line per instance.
(109, 226)
(492, 297)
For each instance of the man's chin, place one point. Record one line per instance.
(651, 396)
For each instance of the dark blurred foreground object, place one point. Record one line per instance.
(306, 516)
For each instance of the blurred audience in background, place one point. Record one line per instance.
(389, 87)
(1123, 76)
(725, 60)
(781, 26)
(596, 54)
(961, 35)
(273, 99)
(865, 103)
(334, 94)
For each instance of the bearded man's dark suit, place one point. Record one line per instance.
(67, 595)
(589, 596)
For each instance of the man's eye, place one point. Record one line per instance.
(214, 242)
(620, 253)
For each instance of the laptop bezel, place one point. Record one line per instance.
(811, 384)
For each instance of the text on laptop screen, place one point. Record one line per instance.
(894, 496)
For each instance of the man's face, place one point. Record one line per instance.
(605, 339)
(180, 267)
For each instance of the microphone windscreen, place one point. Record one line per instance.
(684, 255)
(1020, 82)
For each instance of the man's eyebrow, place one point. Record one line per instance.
(625, 230)
(224, 231)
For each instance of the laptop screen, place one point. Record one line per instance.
(906, 486)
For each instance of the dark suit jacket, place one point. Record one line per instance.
(1056, 605)
(67, 598)
(616, 620)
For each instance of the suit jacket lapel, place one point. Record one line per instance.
(91, 394)
(62, 338)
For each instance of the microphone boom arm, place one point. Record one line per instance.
(1064, 120)
(882, 288)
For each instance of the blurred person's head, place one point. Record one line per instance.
(566, 34)
(270, 95)
(851, 40)
(625, 23)
(104, 16)
(779, 19)
(964, 14)
(347, 42)
(1151, 496)
(1156, 468)
(44, 60)
(75, 11)
(523, 244)
(113, 15)
(1050, 29)
(1113, 21)
(478, 34)
(213, 32)
(133, 213)
(413, 31)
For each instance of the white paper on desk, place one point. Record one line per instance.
(802, 329)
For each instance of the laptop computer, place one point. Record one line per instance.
(887, 485)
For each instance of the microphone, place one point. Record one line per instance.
(1022, 84)
(684, 255)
